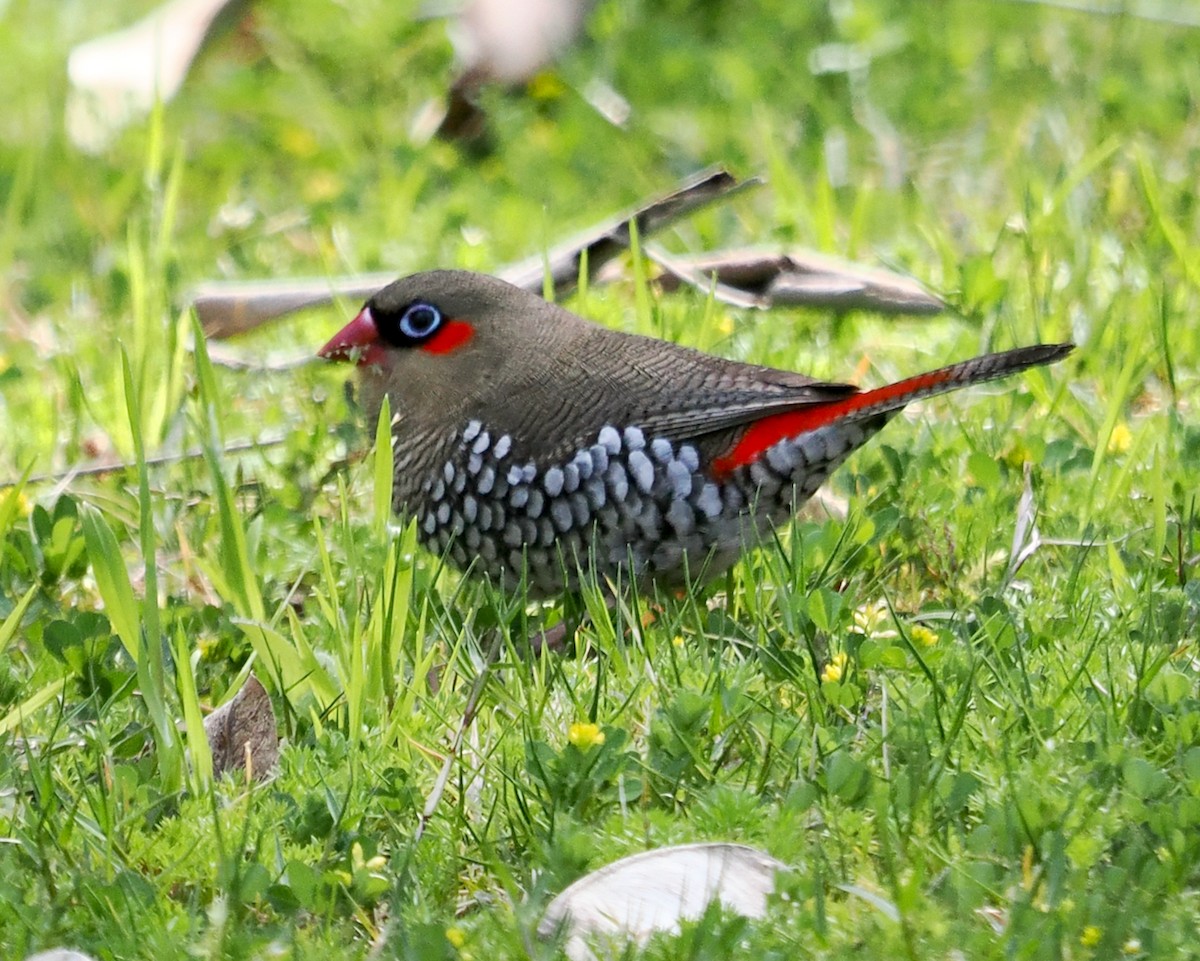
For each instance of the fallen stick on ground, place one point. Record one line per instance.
(763, 279)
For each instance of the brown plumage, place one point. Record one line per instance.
(528, 439)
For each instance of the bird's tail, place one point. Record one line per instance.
(869, 404)
(978, 370)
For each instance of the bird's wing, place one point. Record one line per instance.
(733, 412)
(670, 391)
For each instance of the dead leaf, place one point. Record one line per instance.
(243, 731)
(764, 279)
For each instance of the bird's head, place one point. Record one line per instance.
(449, 340)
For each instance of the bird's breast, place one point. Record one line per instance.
(622, 500)
(619, 499)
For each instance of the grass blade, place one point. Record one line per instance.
(112, 579)
(9, 628)
(234, 557)
(13, 719)
(197, 738)
(11, 501)
(384, 470)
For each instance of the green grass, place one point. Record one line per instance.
(1020, 748)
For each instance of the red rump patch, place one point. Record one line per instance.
(766, 433)
(452, 335)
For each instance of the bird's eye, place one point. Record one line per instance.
(420, 320)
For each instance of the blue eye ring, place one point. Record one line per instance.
(420, 320)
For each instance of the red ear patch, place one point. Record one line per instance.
(452, 335)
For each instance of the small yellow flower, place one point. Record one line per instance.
(457, 937)
(298, 141)
(584, 735)
(677, 640)
(322, 186)
(1120, 439)
(23, 504)
(871, 620)
(547, 86)
(834, 670)
(358, 862)
(1090, 937)
(922, 635)
(725, 324)
(1016, 455)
